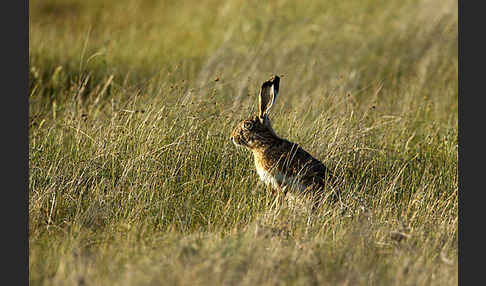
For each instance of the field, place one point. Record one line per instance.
(133, 179)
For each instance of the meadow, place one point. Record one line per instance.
(133, 179)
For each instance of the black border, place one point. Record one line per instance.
(470, 149)
(15, 146)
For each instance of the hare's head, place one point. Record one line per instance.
(257, 131)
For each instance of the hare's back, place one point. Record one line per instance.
(309, 165)
(292, 160)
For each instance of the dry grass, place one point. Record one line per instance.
(133, 179)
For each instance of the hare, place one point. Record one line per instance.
(279, 163)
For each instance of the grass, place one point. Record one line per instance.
(133, 179)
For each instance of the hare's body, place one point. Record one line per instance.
(279, 163)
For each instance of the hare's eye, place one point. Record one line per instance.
(248, 125)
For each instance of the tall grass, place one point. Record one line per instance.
(133, 179)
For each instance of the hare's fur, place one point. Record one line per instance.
(279, 163)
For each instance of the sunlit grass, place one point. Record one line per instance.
(133, 179)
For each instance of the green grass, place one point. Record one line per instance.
(133, 179)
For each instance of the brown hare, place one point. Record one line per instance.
(283, 165)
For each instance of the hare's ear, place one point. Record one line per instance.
(268, 95)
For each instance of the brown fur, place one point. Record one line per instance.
(277, 155)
